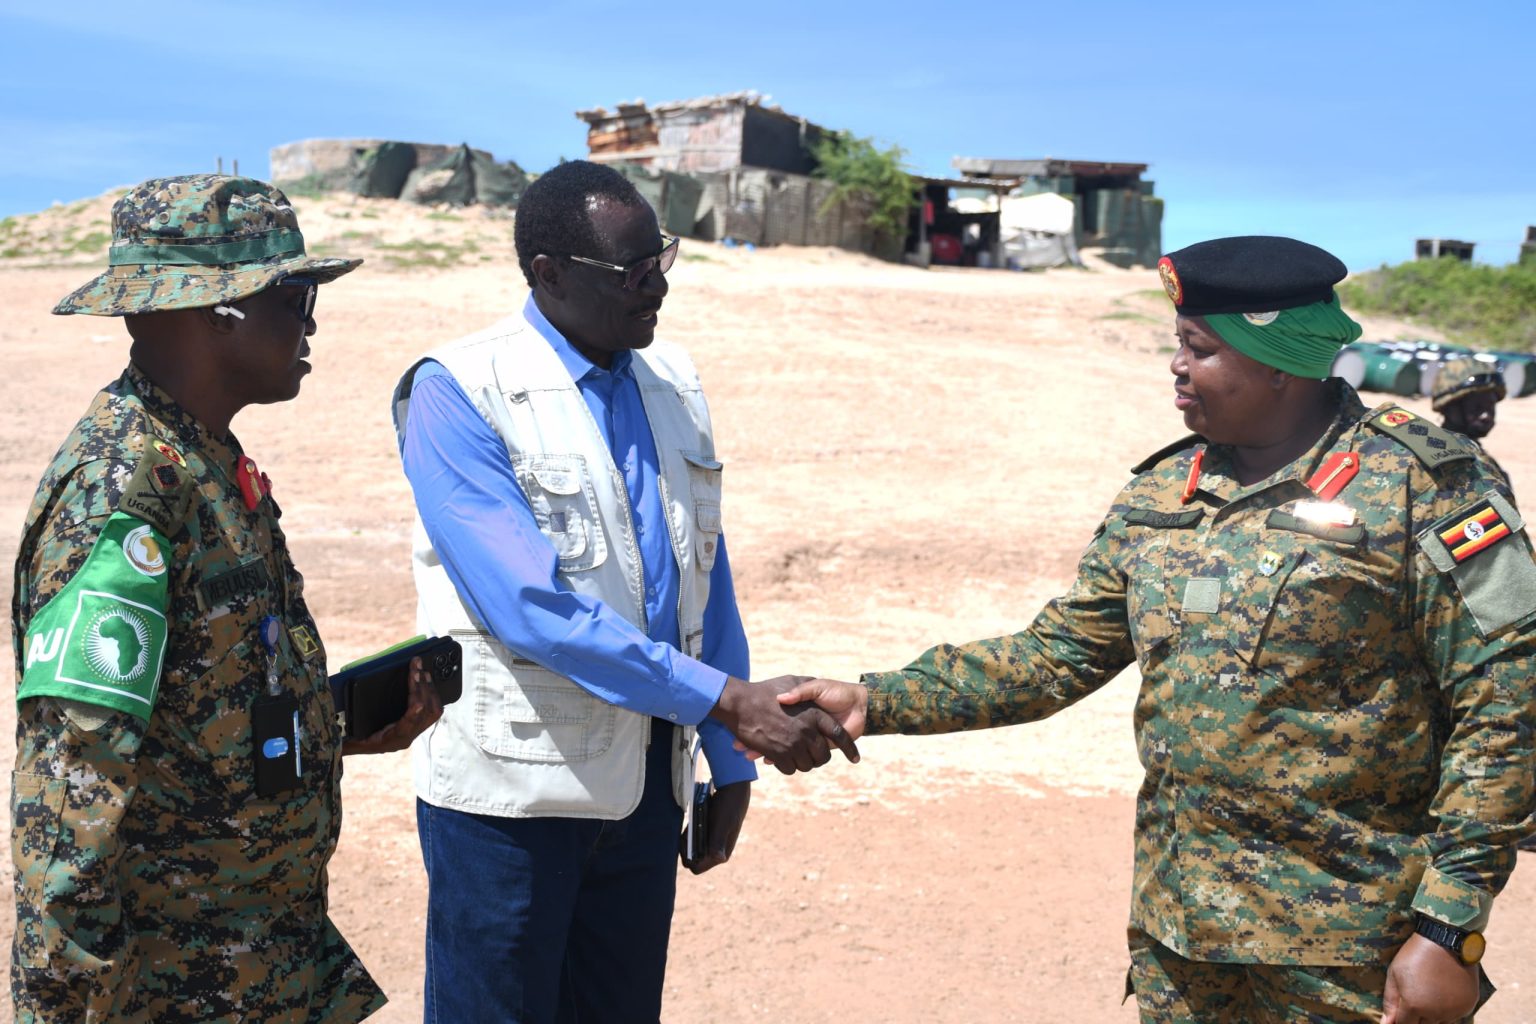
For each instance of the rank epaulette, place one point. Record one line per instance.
(161, 489)
(1162, 453)
(1433, 444)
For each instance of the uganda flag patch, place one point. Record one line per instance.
(1477, 529)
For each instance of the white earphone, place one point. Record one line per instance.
(229, 311)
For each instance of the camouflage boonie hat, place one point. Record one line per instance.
(1465, 376)
(198, 240)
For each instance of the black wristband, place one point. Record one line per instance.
(1465, 946)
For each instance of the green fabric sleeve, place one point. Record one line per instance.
(101, 639)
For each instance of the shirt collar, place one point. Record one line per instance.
(180, 425)
(1216, 472)
(576, 364)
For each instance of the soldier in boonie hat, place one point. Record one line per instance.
(198, 240)
(169, 674)
(1467, 389)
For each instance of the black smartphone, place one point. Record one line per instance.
(696, 840)
(373, 692)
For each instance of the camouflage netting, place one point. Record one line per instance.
(466, 176)
(414, 171)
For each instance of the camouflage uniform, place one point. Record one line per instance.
(1336, 709)
(152, 883)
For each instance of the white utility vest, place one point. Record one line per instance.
(524, 741)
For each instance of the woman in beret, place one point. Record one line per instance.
(1332, 612)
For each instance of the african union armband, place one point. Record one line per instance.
(101, 639)
(1479, 547)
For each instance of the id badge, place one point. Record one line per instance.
(277, 737)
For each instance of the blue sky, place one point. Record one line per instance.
(1355, 126)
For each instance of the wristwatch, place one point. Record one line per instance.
(1464, 945)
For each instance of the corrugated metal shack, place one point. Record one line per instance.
(956, 221)
(752, 160)
(1118, 216)
(703, 136)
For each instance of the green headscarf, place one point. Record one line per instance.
(1302, 340)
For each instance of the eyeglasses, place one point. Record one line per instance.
(305, 281)
(312, 291)
(636, 273)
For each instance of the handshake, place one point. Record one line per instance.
(793, 722)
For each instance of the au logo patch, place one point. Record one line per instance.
(111, 653)
(143, 551)
(1171, 283)
(1261, 319)
(1397, 417)
(1478, 529)
(116, 645)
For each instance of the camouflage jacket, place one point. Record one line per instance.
(1336, 706)
(152, 883)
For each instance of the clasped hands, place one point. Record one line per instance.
(793, 722)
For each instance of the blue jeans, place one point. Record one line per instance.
(552, 920)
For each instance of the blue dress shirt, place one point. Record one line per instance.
(483, 529)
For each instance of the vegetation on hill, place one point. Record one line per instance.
(1474, 304)
(862, 172)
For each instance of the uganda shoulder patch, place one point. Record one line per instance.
(1434, 445)
(160, 490)
(101, 639)
(1494, 571)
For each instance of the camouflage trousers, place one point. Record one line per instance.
(1172, 990)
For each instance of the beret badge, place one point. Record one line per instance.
(1171, 283)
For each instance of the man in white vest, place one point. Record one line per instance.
(568, 534)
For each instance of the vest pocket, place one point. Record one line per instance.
(704, 482)
(527, 713)
(707, 516)
(559, 491)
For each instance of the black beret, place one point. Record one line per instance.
(1249, 274)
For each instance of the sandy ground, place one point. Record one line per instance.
(912, 457)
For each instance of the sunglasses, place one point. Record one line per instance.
(311, 286)
(636, 273)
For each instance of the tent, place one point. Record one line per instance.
(380, 172)
(1038, 231)
(675, 197)
(466, 176)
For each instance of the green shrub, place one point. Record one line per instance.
(1474, 304)
(859, 171)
